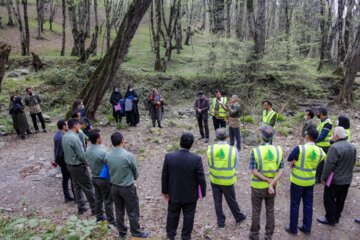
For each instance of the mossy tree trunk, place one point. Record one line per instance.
(4, 56)
(100, 80)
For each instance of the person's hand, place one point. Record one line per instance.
(271, 189)
(158, 103)
(199, 110)
(166, 197)
(291, 164)
(54, 164)
(323, 183)
(269, 180)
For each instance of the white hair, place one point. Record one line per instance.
(340, 132)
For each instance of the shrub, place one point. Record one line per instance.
(247, 119)
(280, 117)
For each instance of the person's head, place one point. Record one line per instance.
(117, 139)
(267, 133)
(29, 90)
(221, 134)
(311, 134)
(94, 136)
(267, 105)
(116, 89)
(321, 112)
(130, 88)
(62, 125)
(339, 133)
(201, 94)
(155, 91)
(73, 125)
(218, 94)
(76, 115)
(309, 114)
(344, 122)
(78, 104)
(84, 122)
(234, 99)
(186, 140)
(17, 99)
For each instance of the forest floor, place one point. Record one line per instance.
(30, 185)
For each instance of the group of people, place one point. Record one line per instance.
(128, 106)
(17, 112)
(326, 157)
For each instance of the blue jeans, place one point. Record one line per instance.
(306, 194)
(234, 134)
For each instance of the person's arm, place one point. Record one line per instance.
(275, 180)
(134, 167)
(79, 149)
(165, 178)
(38, 98)
(254, 168)
(260, 176)
(273, 120)
(207, 106)
(330, 163)
(237, 160)
(195, 106)
(324, 132)
(27, 101)
(58, 151)
(200, 176)
(294, 156)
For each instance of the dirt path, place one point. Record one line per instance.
(29, 185)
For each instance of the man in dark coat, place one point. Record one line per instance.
(156, 102)
(182, 181)
(33, 103)
(115, 100)
(201, 107)
(21, 120)
(131, 107)
(13, 115)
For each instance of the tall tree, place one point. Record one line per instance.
(53, 7)
(260, 30)
(341, 47)
(40, 10)
(9, 8)
(348, 21)
(158, 66)
(323, 33)
(63, 41)
(218, 16)
(4, 56)
(239, 16)
(21, 29)
(100, 80)
(228, 18)
(26, 26)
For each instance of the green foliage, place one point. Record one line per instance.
(285, 131)
(280, 117)
(121, 125)
(247, 119)
(173, 147)
(110, 118)
(33, 228)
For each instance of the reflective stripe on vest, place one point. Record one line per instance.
(348, 134)
(266, 166)
(325, 142)
(221, 160)
(222, 111)
(304, 169)
(267, 117)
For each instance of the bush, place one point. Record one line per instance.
(280, 117)
(285, 131)
(247, 119)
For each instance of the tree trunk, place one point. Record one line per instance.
(250, 18)
(159, 67)
(218, 17)
(323, 34)
(352, 67)
(100, 80)
(9, 8)
(4, 56)
(177, 30)
(239, 9)
(188, 36)
(341, 48)
(203, 15)
(26, 24)
(93, 45)
(108, 6)
(40, 10)
(331, 33)
(63, 42)
(21, 29)
(260, 31)
(228, 18)
(348, 22)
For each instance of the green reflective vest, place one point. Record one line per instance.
(268, 159)
(348, 134)
(304, 169)
(221, 160)
(268, 116)
(222, 111)
(325, 142)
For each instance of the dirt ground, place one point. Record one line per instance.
(30, 185)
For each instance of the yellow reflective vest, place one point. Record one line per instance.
(268, 116)
(304, 169)
(348, 134)
(222, 160)
(325, 142)
(268, 159)
(222, 111)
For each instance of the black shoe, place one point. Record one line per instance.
(221, 226)
(44, 130)
(160, 126)
(22, 137)
(337, 221)
(201, 138)
(241, 219)
(28, 132)
(302, 229)
(69, 199)
(206, 140)
(93, 213)
(36, 131)
(287, 229)
(82, 211)
(357, 220)
(144, 234)
(323, 220)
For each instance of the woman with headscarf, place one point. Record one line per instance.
(78, 106)
(115, 102)
(131, 107)
(344, 122)
(20, 116)
(156, 102)
(13, 115)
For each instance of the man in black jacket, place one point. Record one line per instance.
(201, 107)
(182, 181)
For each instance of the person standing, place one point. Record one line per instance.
(223, 162)
(76, 164)
(267, 167)
(59, 159)
(156, 102)
(78, 106)
(344, 121)
(20, 116)
(217, 110)
(115, 102)
(13, 115)
(233, 109)
(340, 162)
(33, 103)
(308, 123)
(324, 138)
(303, 160)
(95, 154)
(131, 107)
(201, 107)
(182, 176)
(124, 171)
(269, 116)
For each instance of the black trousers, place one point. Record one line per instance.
(103, 197)
(117, 115)
(334, 200)
(230, 197)
(65, 182)
(41, 119)
(82, 184)
(126, 198)
(234, 134)
(174, 210)
(219, 123)
(203, 125)
(320, 167)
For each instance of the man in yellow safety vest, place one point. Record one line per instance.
(304, 160)
(267, 166)
(223, 162)
(217, 110)
(269, 116)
